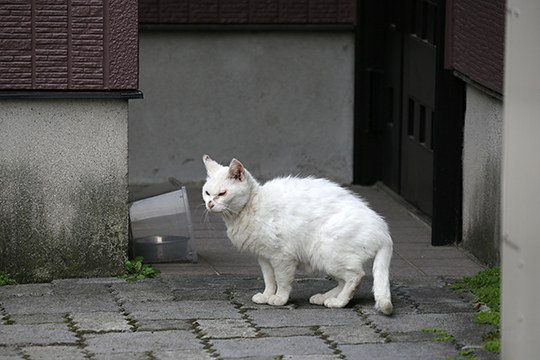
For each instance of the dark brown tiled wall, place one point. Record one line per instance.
(68, 45)
(478, 41)
(247, 11)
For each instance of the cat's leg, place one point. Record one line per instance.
(284, 274)
(319, 299)
(351, 281)
(270, 286)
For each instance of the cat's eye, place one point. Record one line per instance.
(223, 193)
(207, 193)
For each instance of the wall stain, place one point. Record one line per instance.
(482, 235)
(94, 243)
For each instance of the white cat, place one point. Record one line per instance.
(309, 223)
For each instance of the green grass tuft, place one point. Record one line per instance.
(486, 286)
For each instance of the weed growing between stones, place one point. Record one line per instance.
(467, 354)
(136, 270)
(443, 336)
(329, 342)
(440, 335)
(383, 334)
(5, 316)
(5, 279)
(200, 335)
(231, 296)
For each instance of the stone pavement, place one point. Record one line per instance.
(204, 311)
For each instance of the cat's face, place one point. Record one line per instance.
(226, 189)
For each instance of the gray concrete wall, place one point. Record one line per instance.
(281, 102)
(481, 175)
(63, 188)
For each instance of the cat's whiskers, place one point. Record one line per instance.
(229, 211)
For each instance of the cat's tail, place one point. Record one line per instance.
(381, 278)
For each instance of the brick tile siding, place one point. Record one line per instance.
(478, 41)
(68, 45)
(247, 11)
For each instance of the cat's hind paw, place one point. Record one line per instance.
(317, 299)
(334, 303)
(384, 306)
(260, 298)
(277, 300)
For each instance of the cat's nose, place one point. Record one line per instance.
(211, 204)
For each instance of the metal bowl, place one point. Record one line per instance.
(156, 249)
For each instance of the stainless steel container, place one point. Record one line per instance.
(161, 228)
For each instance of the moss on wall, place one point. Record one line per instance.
(92, 242)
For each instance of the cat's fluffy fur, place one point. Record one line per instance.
(301, 222)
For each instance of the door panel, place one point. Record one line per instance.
(393, 61)
(418, 104)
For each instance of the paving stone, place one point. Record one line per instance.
(251, 358)
(287, 331)
(94, 280)
(123, 356)
(459, 325)
(54, 352)
(160, 325)
(59, 304)
(141, 291)
(25, 290)
(259, 347)
(352, 334)
(73, 287)
(181, 354)
(10, 353)
(100, 322)
(430, 294)
(185, 270)
(411, 336)
(171, 310)
(199, 282)
(304, 317)
(28, 319)
(42, 334)
(401, 351)
(311, 357)
(199, 294)
(141, 341)
(226, 329)
(445, 307)
(401, 306)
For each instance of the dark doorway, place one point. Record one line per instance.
(406, 137)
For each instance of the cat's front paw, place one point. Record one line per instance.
(260, 298)
(277, 300)
(317, 299)
(334, 303)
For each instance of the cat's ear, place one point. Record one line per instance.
(211, 165)
(236, 170)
